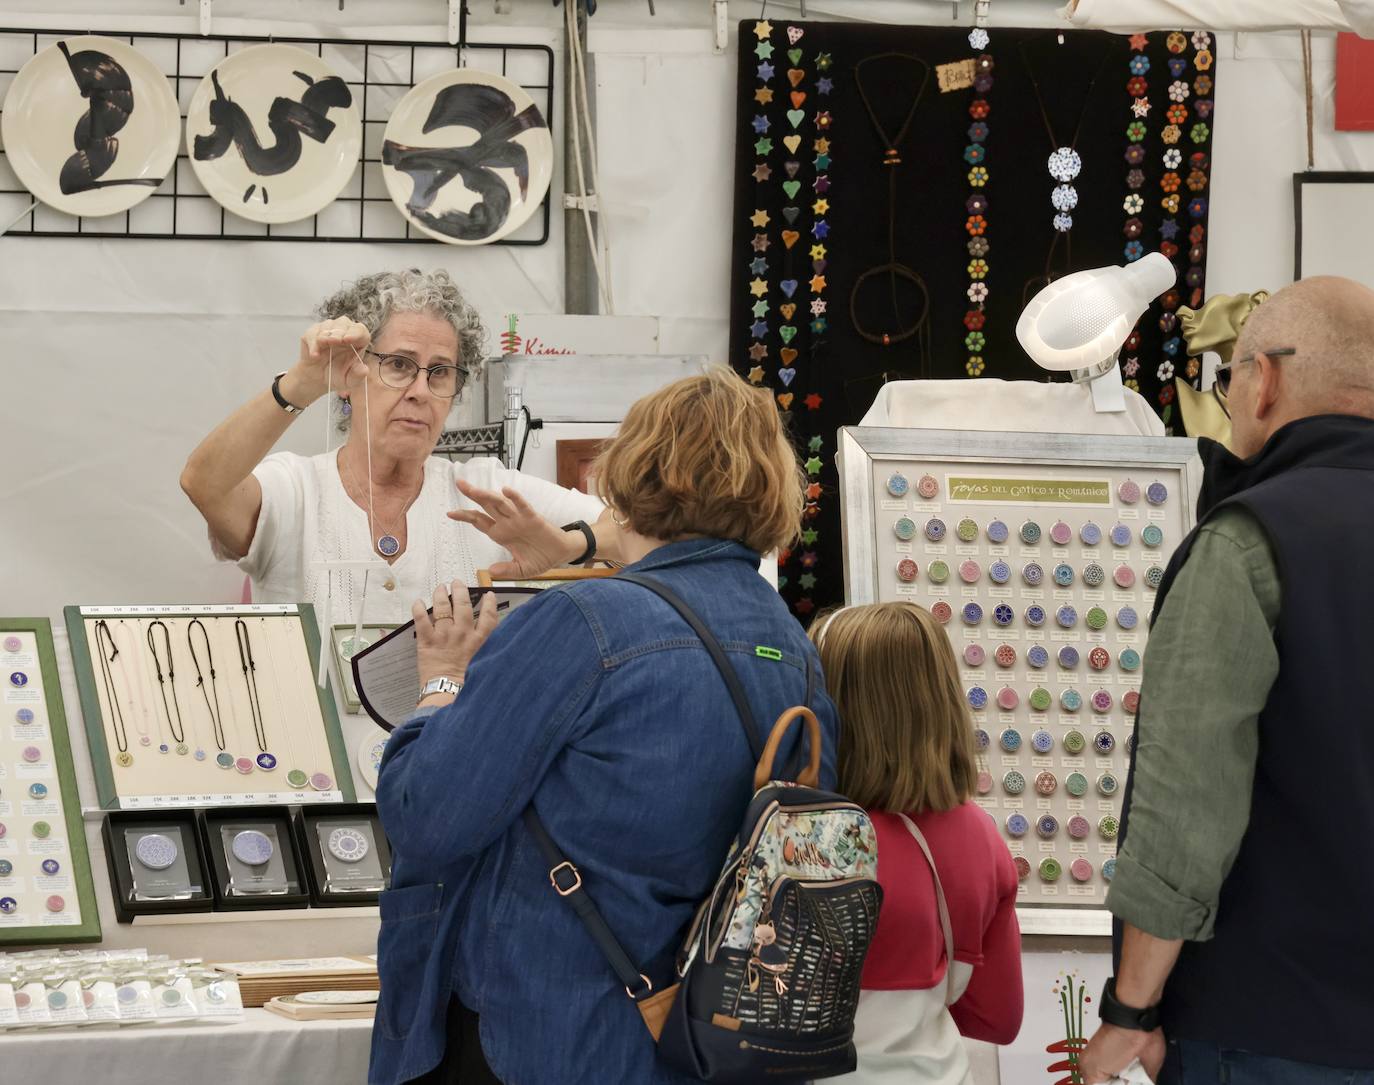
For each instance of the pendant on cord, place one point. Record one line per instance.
(388, 545)
(1064, 166)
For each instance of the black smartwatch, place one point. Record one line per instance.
(590, 552)
(1115, 1013)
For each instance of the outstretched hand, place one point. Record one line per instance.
(507, 519)
(446, 642)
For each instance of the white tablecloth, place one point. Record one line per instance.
(262, 1049)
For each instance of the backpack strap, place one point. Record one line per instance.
(941, 906)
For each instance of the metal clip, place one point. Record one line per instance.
(581, 203)
(205, 18)
(721, 9)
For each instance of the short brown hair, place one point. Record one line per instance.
(705, 456)
(906, 738)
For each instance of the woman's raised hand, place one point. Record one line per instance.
(335, 345)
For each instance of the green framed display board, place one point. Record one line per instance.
(46, 892)
(197, 705)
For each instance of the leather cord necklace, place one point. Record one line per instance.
(893, 268)
(1064, 167)
(178, 728)
(223, 759)
(264, 759)
(103, 639)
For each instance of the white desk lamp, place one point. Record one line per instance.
(1077, 324)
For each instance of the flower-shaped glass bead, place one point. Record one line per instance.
(1063, 222)
(978, 176)
(1179, 91)
(1202, 86)
(1203, 107)
(1136, 87)
(1177, 114)
(1168, 322)
(1166, 395)
(977, 204)
(1166, 371)
(1169, 249)
(1177, 42)
(1134, 251)
(975, 341)
(1171, 203)
(977, 292)
(1199, 160)
(1201, 39)
(1171, 134)
(978, 269)
(978, 38)
(979, 109)
(1171, 347)
(974, 366)
(1133, 204)
(974, 320)
(1133, 385)
(1130, 367)
(1140, 64)
(1064, 197)
(1198, 207)
(1193, 368)
(1135, 131)
(1133, 229)
(982, 83)
(1196, 234)
(1197, 181)
(1200, 133)
(976, 225)
(1169, 182)
(1064, 164)
(1135, 155)
(1135, 179)
(1173, 158)
(977, 132)
(974, 153)
(1132, 342)
(978, 246)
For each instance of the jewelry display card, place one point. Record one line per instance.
(157, 863)
(348, 642)
(206, 706)
(345, 853)
(46, 891)
(255, 859)
(1040, 554)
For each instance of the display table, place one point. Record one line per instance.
(262, 1048)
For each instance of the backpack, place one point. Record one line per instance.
(768, 974)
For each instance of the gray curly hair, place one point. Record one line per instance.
(372, 299)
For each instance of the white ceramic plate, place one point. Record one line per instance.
(90, 126)
(370, 751)
(273, 134)
(467, 157)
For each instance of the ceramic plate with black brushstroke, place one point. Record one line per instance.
(467, 157)
(90, 126)
(273, 133)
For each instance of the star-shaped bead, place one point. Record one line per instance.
(822, 145)
(758, 287)
(763, 50)
(763, 95)
(762, 29)
(1168, 229)
(821, 161)
(813, 465)
(818, 252)
(807, 581)
(761, 124)
(765, 72)
(1140, 107)
(815, 443)
(803, 606)
(813, 491)
(824, 85)
(823, 62)
(762, 172)
(818, 325)
(820, 229)
(759, 218)
(1139, 42)
(817, 306)
(758, 266)
(817, 283)
(813, 402)
(758, 329)
(760, 308)
(763, 145)
(758, 352)
(821, 184)
(760, 242)
(809, 536)
(821, 206)
(809, 560)
(756, 374)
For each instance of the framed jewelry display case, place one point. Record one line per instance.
(1040, 554)
(345, 854)
(206, 706)
(157, 863)
(254, 858)
(46, 890)
(346, 644)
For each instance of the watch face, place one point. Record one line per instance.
(347, 845)
(155, 851)
(251, 847)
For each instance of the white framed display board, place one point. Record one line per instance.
(1040, 553)
(205, 706)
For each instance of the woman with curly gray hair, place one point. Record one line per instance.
(396, 348)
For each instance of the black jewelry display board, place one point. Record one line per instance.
(254, 858)
(345, 854)
(157, 863)
(811, 216)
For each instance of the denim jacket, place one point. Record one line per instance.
(598, 704)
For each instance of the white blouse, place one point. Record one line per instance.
(307, 518)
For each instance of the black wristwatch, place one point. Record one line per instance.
(590, 552)
(1115, 1013)
(288, 407)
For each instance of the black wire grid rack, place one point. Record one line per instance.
(379, 74)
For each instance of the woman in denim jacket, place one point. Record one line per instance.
(598, 704)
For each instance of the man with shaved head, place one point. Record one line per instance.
(1245, 873)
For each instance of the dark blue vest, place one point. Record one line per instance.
(1290, 970)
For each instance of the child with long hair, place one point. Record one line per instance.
(946, 959)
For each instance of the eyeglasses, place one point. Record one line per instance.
(1221, 384)
(398, 371)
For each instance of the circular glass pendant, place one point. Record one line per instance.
(297, 779)
(200, 755)
(224, 760)
(124, 760)
(266, 762)
(251, 847)
(183, 749)
(156, 851)
(244, 765)
(897, 484)
(321, 781)
(1063, 222)
(1064, 198)
(347, 845)
(388, 545)
(1065, 165)
(145, 741)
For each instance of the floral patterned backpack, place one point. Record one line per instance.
(769, 971)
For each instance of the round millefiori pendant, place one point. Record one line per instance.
(388, 546)
(162, 747)
(124, 760)
(244, 765)
(266, 762)
(297, 779)
(145, 741)
(224, 760)
(321, 781)
(183, 749)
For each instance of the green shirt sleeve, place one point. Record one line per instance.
(1209, 666)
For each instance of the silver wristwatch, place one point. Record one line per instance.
(441, 685)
